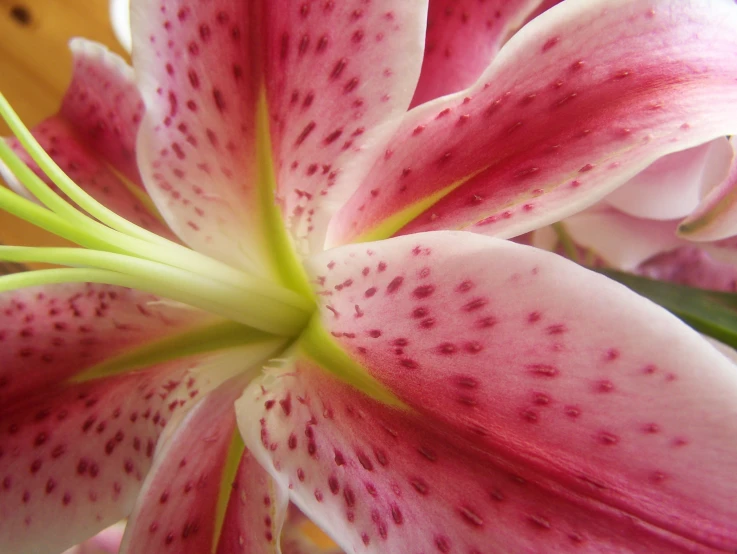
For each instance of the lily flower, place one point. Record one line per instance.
(331, 317)
(672, 222)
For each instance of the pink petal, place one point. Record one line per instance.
(647, 247)
(64, 144)
(103, 105)
(715, 218)
(334, 72)
(380, 479)
(547, 402)
(623, 241)
(462, 39)
(673, 186)
(72, 459)
(51, 333)
(542, 7)
(580, 100)
(196, 151)
(256, 511)
(692, 266)
(177, 506)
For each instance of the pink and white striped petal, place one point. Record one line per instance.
(103, 106)
(462, 39)
(580, 100)
(256, 511)
(73, 459)
(715, 218)
(379, 479)
(584, 405)
(84, 166)
(51, 333)
(199, 79)
(178, 504)
(673, 186)
(338, 76)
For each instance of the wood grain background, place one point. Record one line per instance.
(35, 68)
(35, 63)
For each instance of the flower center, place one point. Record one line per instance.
(117, 252)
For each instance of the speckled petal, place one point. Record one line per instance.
(72, 153)
(103, 106)
(463, 36)
(73, 459)
(177, 506)
(199, 80)
(673, 186)
(334, 72)
(715, 218)
(547, 408)
(51, 333)
(580, 100)
(256, 511)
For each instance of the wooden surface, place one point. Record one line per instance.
(35, 63)
(35, 67)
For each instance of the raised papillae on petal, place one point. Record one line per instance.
(103, 105)
(544, 408)
(199, 79)
(177, 508)
(80, 160)
(462, 39)
(334, 72)
(256, 510)
(51, 333)
(73, 459)
(577, 102)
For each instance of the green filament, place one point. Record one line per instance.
(248, 307)
(80, 229)
(69, 187)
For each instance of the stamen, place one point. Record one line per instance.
(73, 225)
(69, 187)
(245, 306)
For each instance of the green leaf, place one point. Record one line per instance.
(709, 312)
